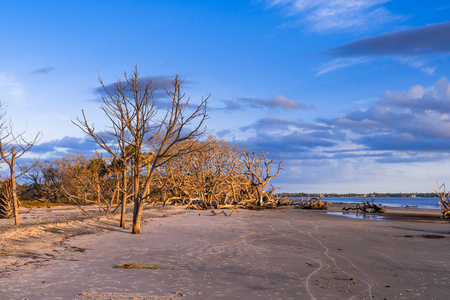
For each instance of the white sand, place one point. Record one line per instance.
(271, 254)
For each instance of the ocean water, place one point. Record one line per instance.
(425, 203)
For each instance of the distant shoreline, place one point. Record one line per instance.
(359, 195)
(400, 202)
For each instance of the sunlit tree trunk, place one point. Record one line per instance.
(124, 194)
(13, 186)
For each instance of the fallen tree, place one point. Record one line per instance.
(366, 207)
(444, 199)
(313, 203)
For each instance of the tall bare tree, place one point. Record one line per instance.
(12, 147)
(131, 108)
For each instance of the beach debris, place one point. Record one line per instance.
(76, 249)
(444, 198)
(6, 204)
(433, 236)
(338, 278)
(313, 203)
(133, 266)
(222, 213)
(268, 201)
(366, 207)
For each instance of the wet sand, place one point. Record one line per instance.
(272, 254)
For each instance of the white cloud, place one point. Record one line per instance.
(279, 101)
(420, 113)
(10, 89)
(337, 15)
(340, 63)
(416, 63)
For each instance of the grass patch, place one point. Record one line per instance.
(152, 267)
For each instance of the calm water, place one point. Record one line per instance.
(426, 203)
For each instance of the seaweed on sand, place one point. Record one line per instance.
(133, 266)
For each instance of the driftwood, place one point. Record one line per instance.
(6, 204)
(6, 208)
(222, 213)
(338, 278)
(313, 203)
(366, 207)
(268, 201)
(444, 199)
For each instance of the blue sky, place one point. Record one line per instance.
(354, 96)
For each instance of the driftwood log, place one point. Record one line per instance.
(366, 207)
(313, 203)
(444, 199)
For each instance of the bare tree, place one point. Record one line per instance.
(259, 172)
(12, 147)
(132, 111)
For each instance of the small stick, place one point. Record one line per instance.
(337, 278)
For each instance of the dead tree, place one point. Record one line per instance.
(366, 207)
(12, 147)
(259, 172)
(444, 198)
(132, 111)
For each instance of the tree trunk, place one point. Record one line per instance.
(98, 189)
(124, 198)
(138, 202)
(259, 196)
(13, 186)
(137, 216)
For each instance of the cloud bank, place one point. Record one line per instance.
(413, 47)
(424, 40)
(277, 102)
(401, 126)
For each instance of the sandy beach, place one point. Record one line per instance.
(282, 253)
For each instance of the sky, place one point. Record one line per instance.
(353, 96)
